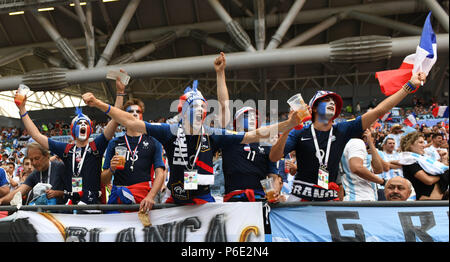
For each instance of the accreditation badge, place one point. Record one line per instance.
(323, 177)
(77, 184)
(190, 180)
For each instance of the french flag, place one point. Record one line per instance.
(410, 120)
(422, 61)
(386, 117)
(440, 111)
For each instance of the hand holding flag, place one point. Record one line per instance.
(422, 61)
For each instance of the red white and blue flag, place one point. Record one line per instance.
(410, 120)
(440, 111)
(422, 61)
(386, 117)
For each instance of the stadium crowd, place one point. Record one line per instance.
(372, 159)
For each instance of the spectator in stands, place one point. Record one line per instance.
(4, 185)
(190, 144)
(389, 171)
(429, 177)
(358, 109)
(46, 174)
(244, 165)
(319, 152)
(144, 153)
(4, 158)
(27, 169)
(397, 189)
(397, 134)
(13, 180)
(435, 150)
(361, 169)
(83, 158)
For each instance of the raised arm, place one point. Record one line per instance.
(31, 127)
(265, 132)
(377, 162)
(222, 91)
(387, 104)
(122, 117)
(111, 127)
(277, 150)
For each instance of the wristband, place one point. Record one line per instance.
(26, 113)
(409, 87)
(121, 94)
(109, 109)
(384, 182)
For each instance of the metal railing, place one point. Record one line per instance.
(135, 207)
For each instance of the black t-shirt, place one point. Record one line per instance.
(421, 189)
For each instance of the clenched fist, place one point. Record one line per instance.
(418, 78)
(89, 99)
(220, 63)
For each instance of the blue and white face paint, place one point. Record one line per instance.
(326, 110)
(246, 121)
(136, 111)
(81, 129)
(81, 126)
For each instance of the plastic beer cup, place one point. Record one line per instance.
(121, 151)
(267, 185)
(298, 104)
(21, 94)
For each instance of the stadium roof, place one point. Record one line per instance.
(65, 47)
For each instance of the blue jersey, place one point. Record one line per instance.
(302, 142)
(3, 180)
(92, 166)
(245, 165)
(210, 143)
(148, 153)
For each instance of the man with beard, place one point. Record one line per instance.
(133, 184)
(244, 165)
(83, 158)
(190, 145)
(319, 146)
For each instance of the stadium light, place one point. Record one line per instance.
(46, 9)
(17, 13)
(81, 3)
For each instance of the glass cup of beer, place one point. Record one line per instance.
(269, 189)
(21, 94)
(298, 104)
(121, 152)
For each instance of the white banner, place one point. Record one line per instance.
(212, 222)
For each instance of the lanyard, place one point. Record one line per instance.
(316, 145)
(80, 165)
(133, 153)
(48, 172)
(199, 147)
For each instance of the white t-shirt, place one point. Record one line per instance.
(357, 188)
(432, 151)
(397, 138)
(392, 172)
